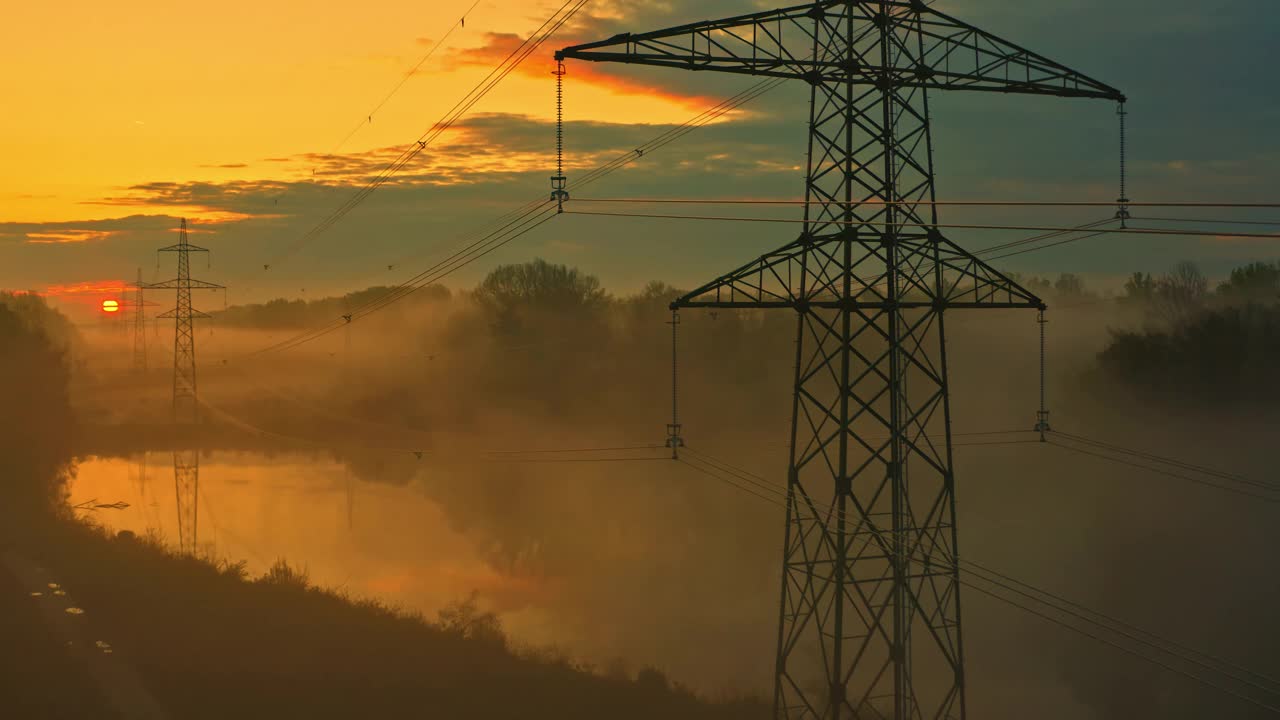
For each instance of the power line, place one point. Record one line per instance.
(504, 456)
(1049, 245)
(541, 451)
(1167, 473)
(663, 139)
(951, 226)
(976, 203)
(1222, 474)
(1043, 236)
(455, 262)
(688, 462)
(1123, 648)
(1131, 632)
(1205, 221)
(420, 280)
(535, 40)
(1112, 619)
(410, 73)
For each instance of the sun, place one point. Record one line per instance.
(110, 306)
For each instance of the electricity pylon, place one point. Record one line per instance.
(186, 403)
(869, 623)
(140, 325)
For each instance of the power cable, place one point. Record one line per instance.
(521, 214)
(1143, 637)
(1205, 221)
(665, 138)
(974, 203)
(949, 226)
(691, 463)
(1158, 471)
(410, 73)
(517, 56)
(1172, 462)
(1049, 245)
(1123, 648)
(1109, 618)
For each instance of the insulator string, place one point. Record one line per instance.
(559, 182)
(1042, 417)
(1122, 212)
(674, 440)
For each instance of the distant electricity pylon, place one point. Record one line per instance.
(186, 402)
(140, 304)
(869, 624)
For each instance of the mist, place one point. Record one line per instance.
(625, 559)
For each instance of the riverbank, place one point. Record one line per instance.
(209, 641)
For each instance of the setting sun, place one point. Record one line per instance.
(110, 306)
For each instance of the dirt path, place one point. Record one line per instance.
(58, 664)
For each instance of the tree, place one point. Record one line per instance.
(1180, 293)
(1069, 285)
(511, 291)
(1255, 281)
(1138, 288)
(465, 619)
(37, 424)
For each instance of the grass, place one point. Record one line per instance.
(211, 642)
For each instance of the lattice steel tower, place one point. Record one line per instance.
(140, 305)
(186, 404)
(870, 613)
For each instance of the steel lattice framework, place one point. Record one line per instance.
(139, 306)
(186, 403)
(870, 609)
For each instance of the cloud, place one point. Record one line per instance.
(68, 236)
(88, 287)
(498, 47)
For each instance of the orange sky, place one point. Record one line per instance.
(102, 96)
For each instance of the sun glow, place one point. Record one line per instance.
(110, 306)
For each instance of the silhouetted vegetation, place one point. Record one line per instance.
(1225, 355)
(37, 426)
(281, 313)
(212, 642)
(1218, 348)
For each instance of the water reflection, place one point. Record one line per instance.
(186, 490)
(624, 562)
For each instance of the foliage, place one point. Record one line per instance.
(1257, 281)
(1139, 287)
(511, 293)
(465, 619)
(1222, 355)
(1069, 285)
(283, 575)
(37, 426)
(281, 313)
(211, 644)
(1180, 293)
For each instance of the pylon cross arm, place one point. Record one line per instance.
(932, 272)
(184, 284)
(170, 314)
(810, 42)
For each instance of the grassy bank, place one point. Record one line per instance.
(210, 642)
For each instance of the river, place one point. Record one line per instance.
(611, 565)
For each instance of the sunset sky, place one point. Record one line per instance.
(118, 118)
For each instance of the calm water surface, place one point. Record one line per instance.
(644, 574)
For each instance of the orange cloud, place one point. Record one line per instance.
(67, 236)
(499, 46)
(89, 287)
